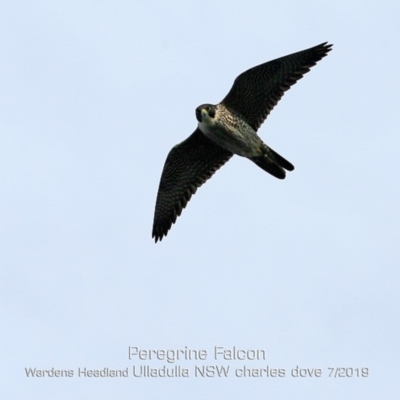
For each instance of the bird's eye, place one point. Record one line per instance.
(198, 115)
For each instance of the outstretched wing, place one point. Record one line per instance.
(256, 91)
(188, 165)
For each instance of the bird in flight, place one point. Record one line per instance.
(229, 128)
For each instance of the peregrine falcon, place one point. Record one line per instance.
(229, 128)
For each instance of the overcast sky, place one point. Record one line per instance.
(93, 95)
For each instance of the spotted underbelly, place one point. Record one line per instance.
(244, 143)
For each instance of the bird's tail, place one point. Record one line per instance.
(273, 163)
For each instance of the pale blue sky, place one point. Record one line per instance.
(93, 95)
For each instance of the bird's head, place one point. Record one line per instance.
(205, 113)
